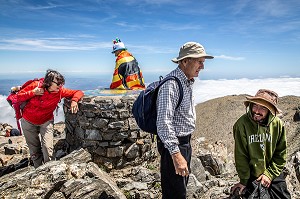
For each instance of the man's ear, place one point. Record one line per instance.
(185, 62)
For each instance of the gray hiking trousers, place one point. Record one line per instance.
(39, 139)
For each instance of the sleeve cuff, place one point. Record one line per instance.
(173, 149)
(75, 99)
(267, 173)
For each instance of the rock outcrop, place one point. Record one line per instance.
(106, 128)
(73, 176)
(77, 175)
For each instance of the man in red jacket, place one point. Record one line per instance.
(43, 97)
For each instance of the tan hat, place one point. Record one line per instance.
(266, 98)
(8, 128)
(193, 50)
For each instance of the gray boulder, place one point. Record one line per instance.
(73, 176)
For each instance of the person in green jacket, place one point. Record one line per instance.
(260, 147)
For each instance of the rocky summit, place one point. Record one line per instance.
(75, 174)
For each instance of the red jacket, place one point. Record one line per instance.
(40, 108)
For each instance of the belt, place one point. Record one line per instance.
(184, 139)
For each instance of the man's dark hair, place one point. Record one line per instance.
(52, 75)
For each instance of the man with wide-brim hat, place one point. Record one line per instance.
(261, 147)
(191, 50)
(175, 125)
(266, 98)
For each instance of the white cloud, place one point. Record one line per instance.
(140, 49)
(267, 8)
(209, 89)
(274, 8)
(52, 44)
(229, 57)
(181, 27)
(153, 2)
(203, 90)
(73, 44)
(7, 113)
(129, 27)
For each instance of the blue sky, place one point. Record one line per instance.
(249, 38)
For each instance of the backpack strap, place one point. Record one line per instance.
(179, 84)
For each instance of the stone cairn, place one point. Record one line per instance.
(106, 127)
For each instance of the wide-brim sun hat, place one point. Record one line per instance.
(8, 128)
(191, 50)
(265, 98)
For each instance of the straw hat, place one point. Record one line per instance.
(266, 98)
(192, 50)
(8, 128)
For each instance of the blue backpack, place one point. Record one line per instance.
(144, 107)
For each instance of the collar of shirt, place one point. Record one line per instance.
(183, 77)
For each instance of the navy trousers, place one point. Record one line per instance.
(173, 185)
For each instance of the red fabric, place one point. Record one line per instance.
(137, 87)
(116, 72)
(116, 84)
(19, 126)
(132, 77)
(39, 108)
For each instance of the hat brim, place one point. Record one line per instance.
(206, 56)
(8, 128)
(119, 49)
(263, 102)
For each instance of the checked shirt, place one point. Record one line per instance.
(172, 122)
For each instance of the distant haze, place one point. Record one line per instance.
(203, 90)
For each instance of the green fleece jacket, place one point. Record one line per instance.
(259, 149)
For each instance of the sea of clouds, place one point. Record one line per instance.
(203, 90)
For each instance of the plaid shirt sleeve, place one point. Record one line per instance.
(167, 100)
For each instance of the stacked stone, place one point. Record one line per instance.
(106, 127)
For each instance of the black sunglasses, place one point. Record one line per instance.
(58, 84)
